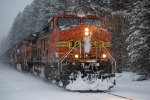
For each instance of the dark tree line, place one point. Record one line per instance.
(127, 20)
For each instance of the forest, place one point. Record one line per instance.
(128, 21)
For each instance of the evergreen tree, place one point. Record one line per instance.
(138, 47)
(48, 9)
(35, 13)
(44, 14)
(15, 30)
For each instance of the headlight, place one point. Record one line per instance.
(76, 56)
(86, 31)
(104, 55)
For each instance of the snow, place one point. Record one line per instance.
(18, 66)
(94, 84)
(16, 85)
(126, 86)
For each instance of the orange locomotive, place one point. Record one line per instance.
(73, 50)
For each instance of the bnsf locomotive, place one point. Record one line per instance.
(73, 50)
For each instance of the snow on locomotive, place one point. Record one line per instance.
(73, 50)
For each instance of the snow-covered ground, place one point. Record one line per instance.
(126, 86)
(16, 85)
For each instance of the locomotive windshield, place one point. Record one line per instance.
(92, 21)
(66, 23)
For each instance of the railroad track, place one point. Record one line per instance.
(115, 95)
(118, 96)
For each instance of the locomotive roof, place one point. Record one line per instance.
(68, 14)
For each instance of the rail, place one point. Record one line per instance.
(118, 96)
(112, 60)
(63, 58)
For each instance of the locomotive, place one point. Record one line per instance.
(73, 50)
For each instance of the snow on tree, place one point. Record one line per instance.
(48, 9)
(139, 49)
(44, 14)
(15, 30)
(118, 30)
(26, 23)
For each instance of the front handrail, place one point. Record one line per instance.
(63, 58)
(112, 60)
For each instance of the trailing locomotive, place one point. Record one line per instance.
(73, 50)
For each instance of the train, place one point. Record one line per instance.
(73, 51)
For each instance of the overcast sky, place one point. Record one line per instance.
(8, 11)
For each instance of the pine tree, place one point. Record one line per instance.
(138, 47)
(15, 30)
(35, 13)
(48, 9)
